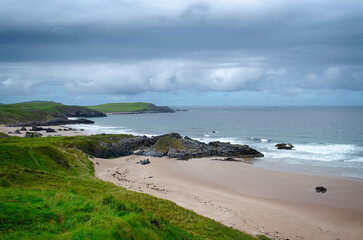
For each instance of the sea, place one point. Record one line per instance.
(327, 140)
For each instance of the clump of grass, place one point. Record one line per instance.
(3, 135)
(164, 144)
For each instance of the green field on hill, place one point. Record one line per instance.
(127, 107)
(40, 111)
(48, 191)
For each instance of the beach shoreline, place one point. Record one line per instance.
(65, 131)
(281, 205)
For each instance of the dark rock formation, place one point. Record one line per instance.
(152, 152)
(32, 134)
(36, 128)
(161, 109)
(194, 149)
(181, 110)
(53, 122)
(145, 161)
(23, 129)
(48, 130)
(287, 146)
(77, 111)
(320, 189)
(17, 131)
(180, 148)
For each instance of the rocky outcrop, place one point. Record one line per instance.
(145, 161)
(320, 189)
(194, 149)
(161, 109)
(285, 146)
(48, 130)
(77, 111)
(171, 145)
(32, 134)
(53, 122)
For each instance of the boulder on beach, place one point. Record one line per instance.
(287, 146)
(23, 129)
(320, 189)
(50, 130)
(17, 131)
(36, 128)
(144, 162)
(32, 134)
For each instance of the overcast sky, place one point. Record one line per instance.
(178, 52)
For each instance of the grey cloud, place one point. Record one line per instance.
(336, 77)
(196, 12)
(128, 47)
(131, 78)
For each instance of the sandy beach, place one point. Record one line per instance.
(280, 205)
(69, 131)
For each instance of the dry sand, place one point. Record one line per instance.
(69, 132)
(257, 201)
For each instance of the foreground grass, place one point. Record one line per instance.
(48, 191)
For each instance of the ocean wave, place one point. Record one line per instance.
(357, 159)
(96, 129)
(318, 152)
(232, 140)
(260, 139)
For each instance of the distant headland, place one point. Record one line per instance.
(51, 113)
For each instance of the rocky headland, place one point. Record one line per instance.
(171, 145)
(52, 122)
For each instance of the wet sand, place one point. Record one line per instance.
(280, 205)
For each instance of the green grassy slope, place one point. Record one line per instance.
(128, 107)
(39, 111)
(48, 191)
(121, 107)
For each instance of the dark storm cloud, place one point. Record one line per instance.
(137, 46)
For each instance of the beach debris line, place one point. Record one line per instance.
(320, 189)
(286, 146)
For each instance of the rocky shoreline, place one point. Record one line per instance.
(53, 122)
(171, 145)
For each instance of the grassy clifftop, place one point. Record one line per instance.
(138, 107)
(48, 191)
(42, 111)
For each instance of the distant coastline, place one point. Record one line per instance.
(47, 113)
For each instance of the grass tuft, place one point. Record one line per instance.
(164, 144)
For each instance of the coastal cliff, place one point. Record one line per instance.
(171, 145)
(23, 113)
(131, 108)
(47, 113)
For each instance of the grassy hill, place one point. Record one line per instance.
(48, 191)
(41, 111)
(138, 107)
